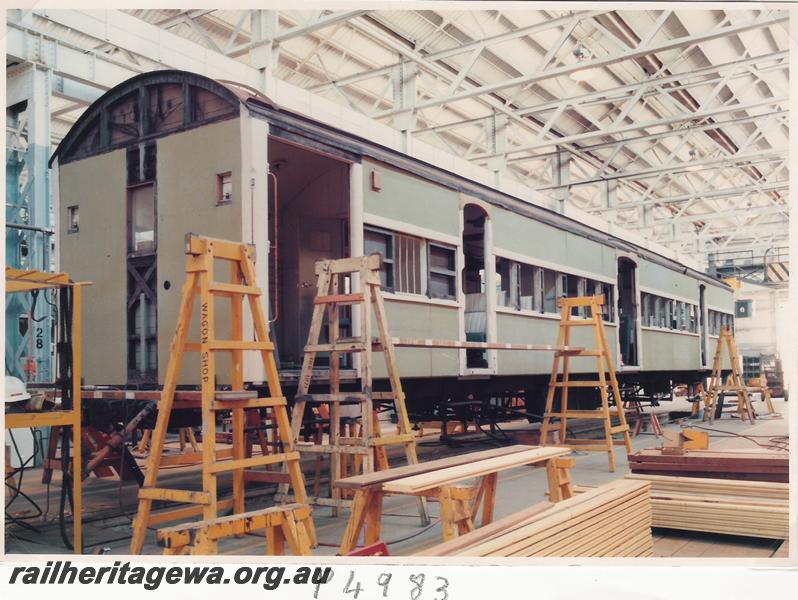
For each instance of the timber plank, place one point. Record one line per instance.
(379, 477)
(478, 468)
(613, 520)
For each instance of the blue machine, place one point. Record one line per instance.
(30, 318)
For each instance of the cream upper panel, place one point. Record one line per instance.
(188, 165)
(98, 253)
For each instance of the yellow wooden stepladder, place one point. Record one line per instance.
(735, 382)
(604, 384)
(200, 283)
(370, 445)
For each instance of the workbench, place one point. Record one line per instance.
(442, 480)
(20, 281)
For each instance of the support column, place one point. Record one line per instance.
(28, 221)
(498, 143)
(609, 197)
(356, 183)
(561, 177)
(404, 97)
(254, 194)
(263, 25)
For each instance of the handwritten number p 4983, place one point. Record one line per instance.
(442, 588)
(418, 579)
(350, 590)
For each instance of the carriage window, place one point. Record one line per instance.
(442, 275)
(141, 219)
(529, 287)
(717, 320)
(647, 309)
(693, 318)
(382, 243)
(73, 219)
(678, 315)
(573, 286)
(608, 291)
(506, 293)
(224, 189)
(549, 291)
(407, 264)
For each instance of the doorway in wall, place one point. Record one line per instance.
(474, 284)
(308, 221)
(702, 328)
(142, 260)
(627, 313)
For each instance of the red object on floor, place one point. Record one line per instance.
(376, 549)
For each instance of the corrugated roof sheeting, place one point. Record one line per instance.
(552, 108)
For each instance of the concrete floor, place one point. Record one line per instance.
(110, 504)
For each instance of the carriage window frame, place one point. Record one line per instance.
(449, 275)
(73, 219)
(507, 292)
(386, 268)
(224, 188)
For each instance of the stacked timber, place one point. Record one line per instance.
(611, 520)
(749, 508)
(749, 465)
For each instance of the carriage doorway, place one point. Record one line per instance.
(476, 284)
(627, 313)
(702, 323)
(308, 221)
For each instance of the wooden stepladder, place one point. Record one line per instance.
(369, 446)
(735, 382)
(201, 283)
(604, 384)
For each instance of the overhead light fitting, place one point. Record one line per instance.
(582, 54)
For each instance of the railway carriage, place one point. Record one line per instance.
(169, 152)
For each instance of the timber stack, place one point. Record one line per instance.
(748, 508)
(749, 465)
(612, 520)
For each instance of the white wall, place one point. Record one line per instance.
(767, 330)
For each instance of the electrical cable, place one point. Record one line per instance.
(777, 443)
(65, 377)
(66, 489)
(18, 487)
(424, 529)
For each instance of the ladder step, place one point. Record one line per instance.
(228, 404)
(619, 428)
(382, 440)
(581, 414)
(329, 449)
(339, 397)
(383, 396)
(592, 445)
(385, 440)
(227, 345)
(174, 495)
(266, 476)
(314, 500)
(337, 347)
(232, 288)
(580, 384)
(577, 324)
(585, 444)
(226, 395)
(340, 299)
(572, 354)
(255, 461)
